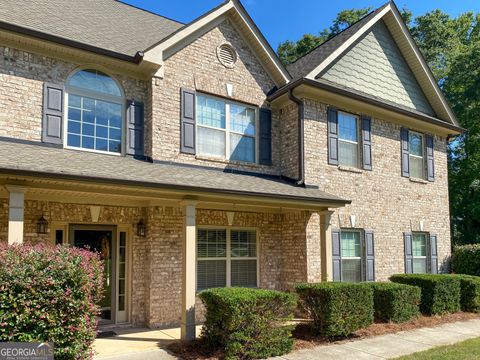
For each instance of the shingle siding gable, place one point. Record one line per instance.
(375, 66)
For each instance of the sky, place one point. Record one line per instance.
(281, 20)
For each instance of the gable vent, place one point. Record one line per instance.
(227, 55)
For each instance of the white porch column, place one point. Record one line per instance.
(326, 245)
(15, 214)
(189, 272)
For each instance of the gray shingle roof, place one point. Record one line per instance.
(30, 159)
(312, 59)
(105, 24)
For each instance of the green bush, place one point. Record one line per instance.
(395, 302)
(50, 294)
(248, 323)
(466, 259)
(440, 293)
(470, 297)
(337, 309)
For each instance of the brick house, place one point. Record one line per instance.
(190, 157)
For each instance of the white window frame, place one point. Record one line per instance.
(427, 250)
(423, 157)
(357, 143)
(74, 90)
(229, 256)
(362, 252)
(227, 130)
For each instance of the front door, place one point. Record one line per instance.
(101, 239)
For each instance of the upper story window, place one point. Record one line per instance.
(348, 136)
(226, 129)
(95, 108)
(416, 155)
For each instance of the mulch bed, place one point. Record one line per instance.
(305, 338)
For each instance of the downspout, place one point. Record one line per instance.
(301, 156)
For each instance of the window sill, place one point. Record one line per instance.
(418, 181)
(350, 169)
(227, 162)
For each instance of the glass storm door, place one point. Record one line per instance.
(101, 239)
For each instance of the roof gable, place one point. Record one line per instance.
(103, 24)
(312, 65)
(233, 10)
(374, 65)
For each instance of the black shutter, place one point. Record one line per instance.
(433, 254)
(265, 148)
(187, 121)
(369, 256)
(336, 256)
(332, 117)
(430, 162)
(405, 152)
(52, 124)
(135, 128)
(408, 253)
(367, 142)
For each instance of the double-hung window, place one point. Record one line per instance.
(419, 252)
(348, 140)
(416, 155)
(351, 253)
(226, 257)
(95, 107)
(225, 129)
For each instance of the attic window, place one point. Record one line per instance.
(227, 55)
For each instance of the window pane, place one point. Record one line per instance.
(351, 270)
(350, 244)
(88, 142)
(347, 127)
(97, 81)
(244, 273)
(243, 243)
(242, 148)
(73, 140)
(211, 142)
(74, 114)
(416, 144)
(210, 112)
(211, 274)
(74, 101)
(416, 167)
(420, 266)
(211, 243)
(242, 119)
(348, 153)
(74, 127)
(419, 245)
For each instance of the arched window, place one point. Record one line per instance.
(94, 112)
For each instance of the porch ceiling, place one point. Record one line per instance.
(60, 174)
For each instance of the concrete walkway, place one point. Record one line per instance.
(392, 345)
(146, 344)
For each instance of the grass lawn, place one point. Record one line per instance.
(465, 350)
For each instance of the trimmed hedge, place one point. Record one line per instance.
(337, 309)
(440, 293)
(248, 323)
(470, 297)
(395, 302)
(50, 294)
(466, 259)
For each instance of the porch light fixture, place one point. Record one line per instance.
(141, 229)
(42, 225)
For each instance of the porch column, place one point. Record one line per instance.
(189, 272)
(326, 245)
(15, 214)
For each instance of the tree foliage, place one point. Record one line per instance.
(451, 47)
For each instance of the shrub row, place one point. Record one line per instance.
(248, 323)
(440, 293)
(50, 294)
(466, 259)
(395, 302)
(470, 293)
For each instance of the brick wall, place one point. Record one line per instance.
(383, 200)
